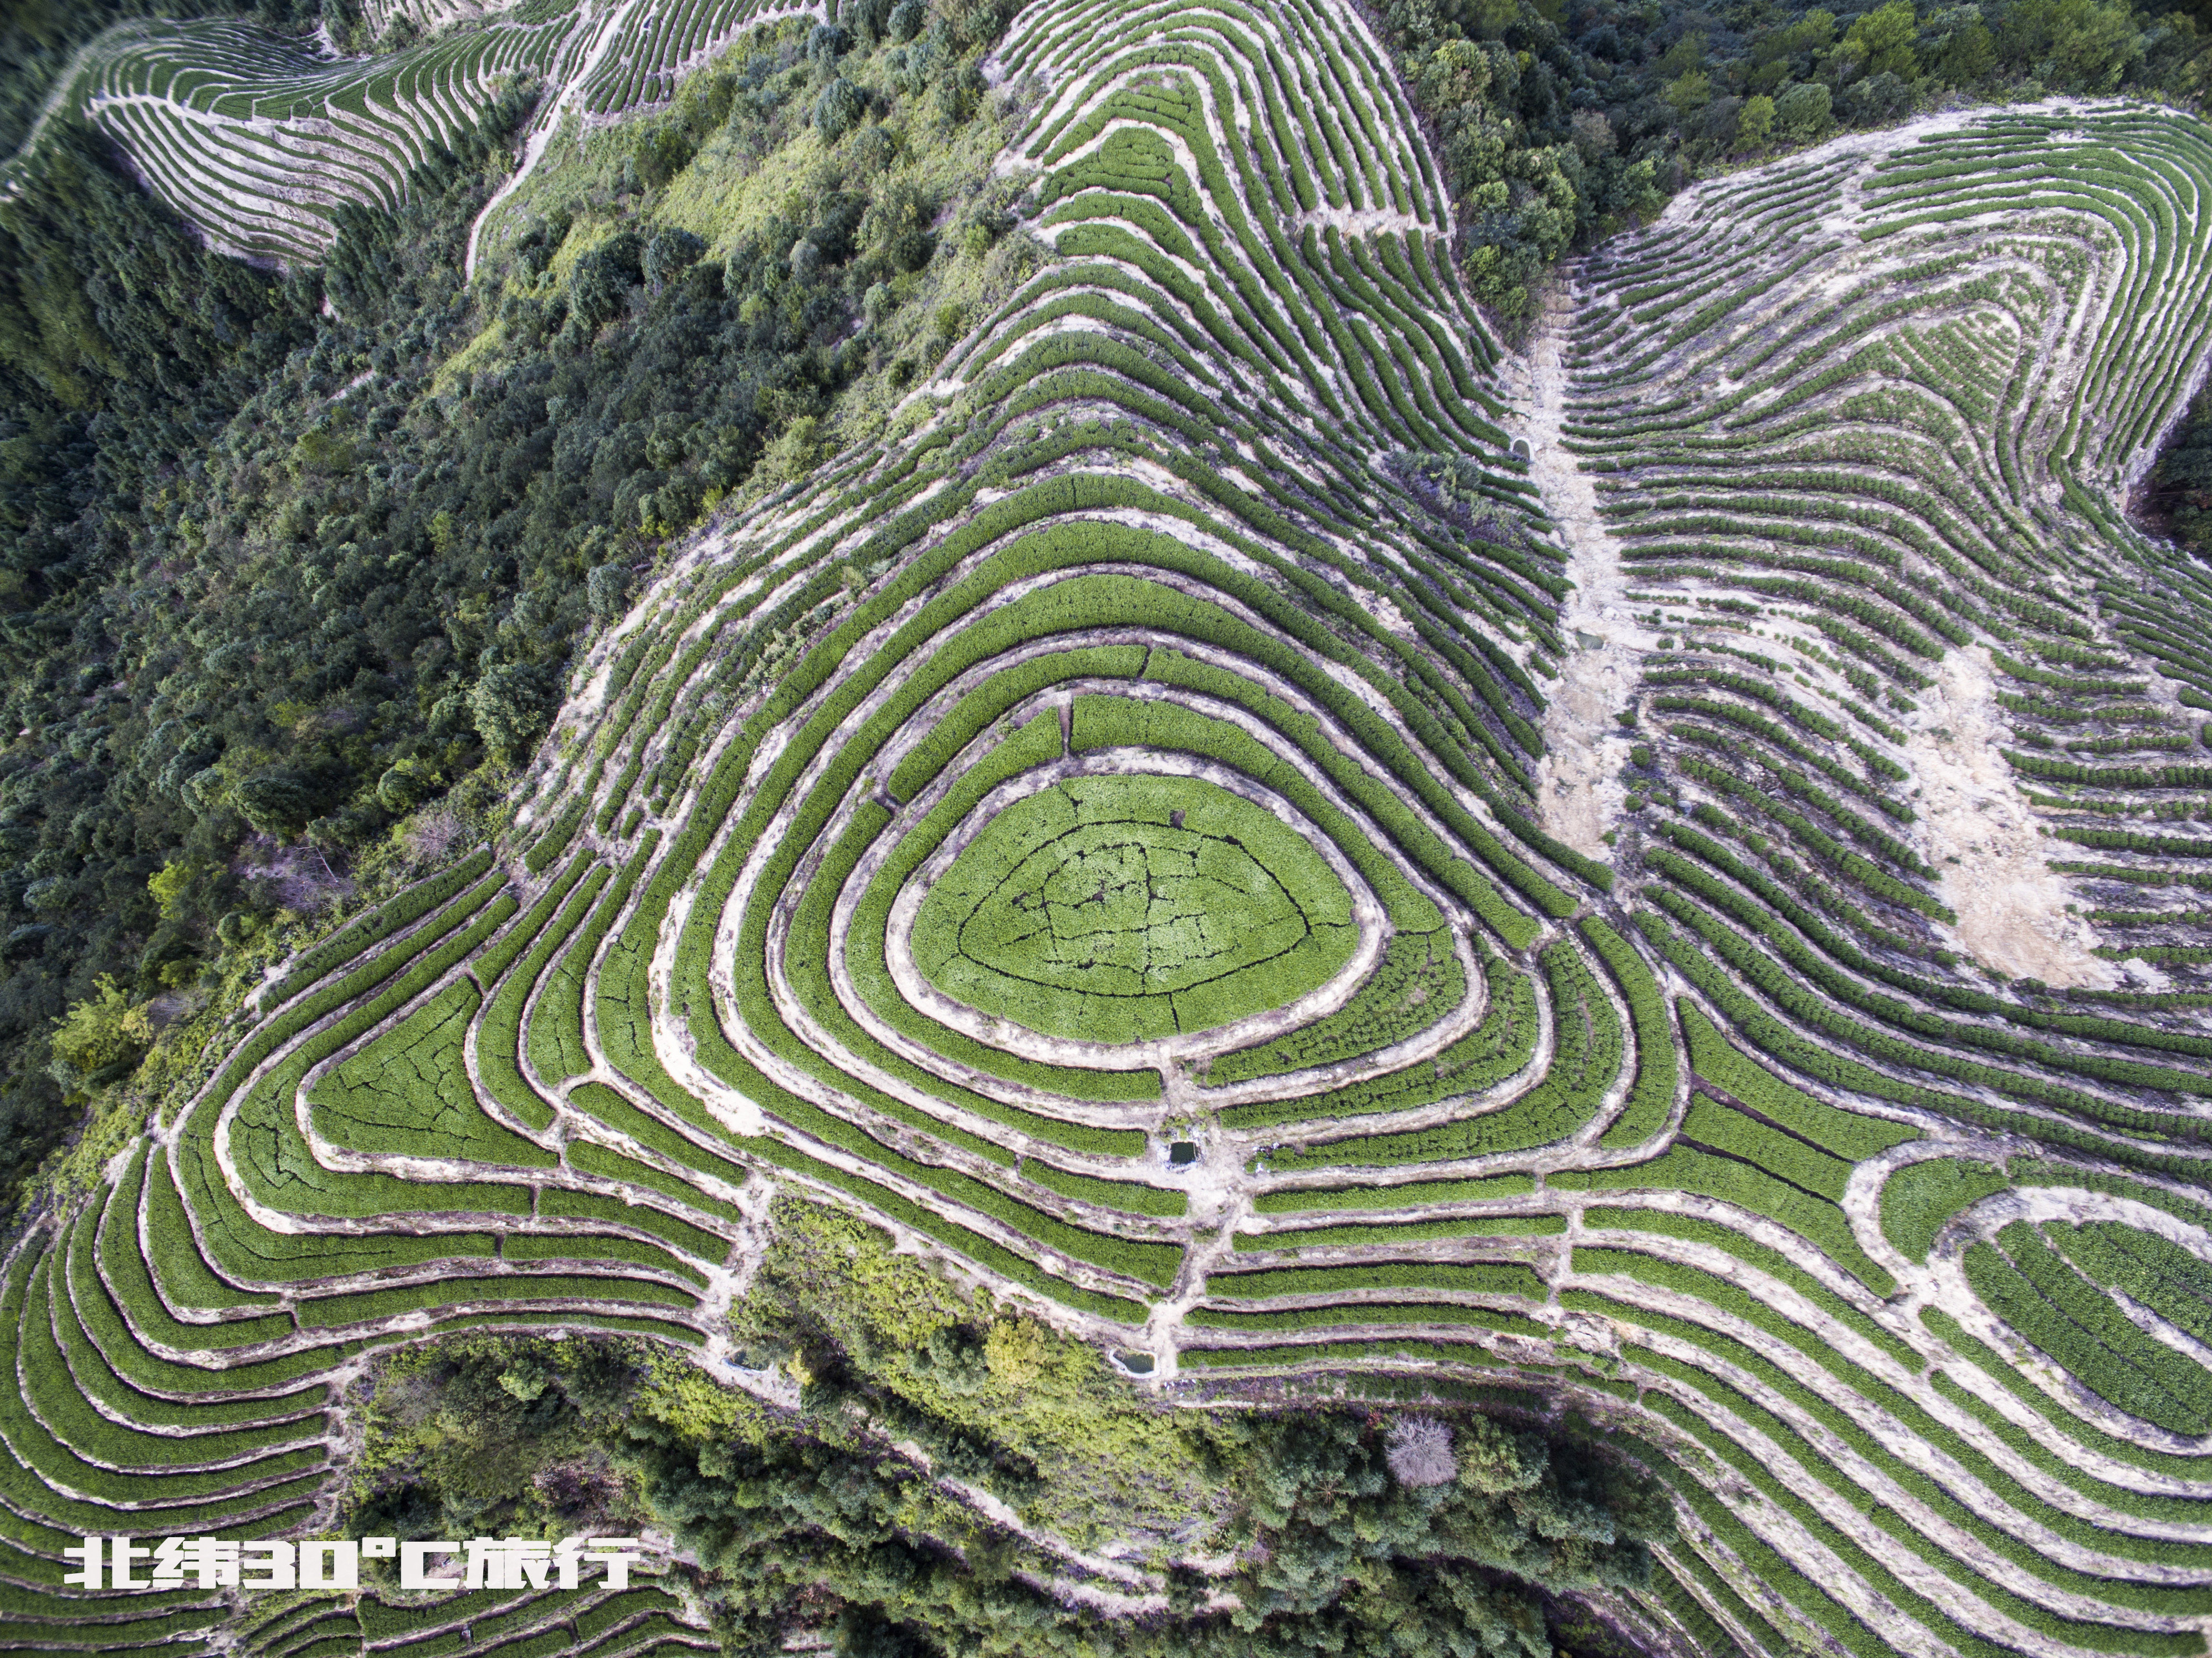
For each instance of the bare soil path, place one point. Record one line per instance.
(1578, 782)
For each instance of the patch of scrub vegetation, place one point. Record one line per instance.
(851, 1516)
(836, 177)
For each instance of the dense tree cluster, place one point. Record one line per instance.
(2178, 492)
(1324, 1536)
(1334, 1553)
(122, 348)
(1561, 120)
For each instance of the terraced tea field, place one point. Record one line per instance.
(1107, 836)
(258, 141)
(1853, 436)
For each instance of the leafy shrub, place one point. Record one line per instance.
(606, 591)
(100, 1038)
(672, 251)
(277, 802)
(1802, 115)
(403, 786)
(841, 107)
(605, 276)
(511, 705)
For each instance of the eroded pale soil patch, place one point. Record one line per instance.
(1980, 833)
(1578, 780)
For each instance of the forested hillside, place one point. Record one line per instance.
(276, 572)
(279, 571)
(1112, 826)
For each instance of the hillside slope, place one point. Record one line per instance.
(902, 847)
(1918, 726)
(258, 141)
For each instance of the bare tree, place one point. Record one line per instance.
(1420, 1452)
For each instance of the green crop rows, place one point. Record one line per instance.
(1101, 832)
(1118, 909)
(1844, 486)
(260, 142)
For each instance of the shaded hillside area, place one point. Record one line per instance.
(272, 575)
